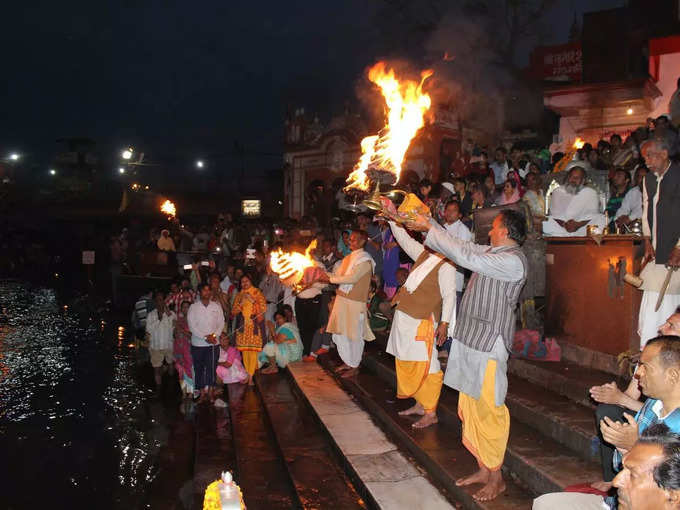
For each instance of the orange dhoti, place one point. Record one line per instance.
(486, 427)
(421, 380)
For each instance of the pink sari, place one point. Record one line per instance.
(234, 373)
(182, 354)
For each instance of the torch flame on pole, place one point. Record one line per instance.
(169, 208)
(406, 107)
(291, 265)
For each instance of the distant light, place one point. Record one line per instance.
(127, 153)
(121, 170)
(200, 164)
(146, 187)
(280, 202)
(629, 111)
(14, 156)
(53, 171)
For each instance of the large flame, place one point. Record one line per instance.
(290, 266)
(406, 108)
(169, 208)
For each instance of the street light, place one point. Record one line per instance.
(127, 153)
(199, 164)
(14, 156)
(121, 170)
(53, 171)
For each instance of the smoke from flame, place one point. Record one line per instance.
(406, 108)
(291, 265)
(169, 208)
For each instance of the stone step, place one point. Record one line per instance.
(555, 416)
(391, 480)
(318, 478)
(438, 449)
(565, 378)
(260, 470)
(540, 462)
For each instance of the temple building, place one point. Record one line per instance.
(621, 71)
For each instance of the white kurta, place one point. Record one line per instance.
(401, 342)
(631, 205)
(349, 318)
(653, 276)
(459, 231)
(585, 205)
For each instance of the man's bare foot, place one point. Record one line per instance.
(427, 420)
(481, 476)
(601, 486)
(492, 489)
(251, 382)
(350, 373)
(416, 409)
(342, 368)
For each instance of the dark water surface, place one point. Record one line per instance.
(81, 425)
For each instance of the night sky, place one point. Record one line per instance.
(186, 79)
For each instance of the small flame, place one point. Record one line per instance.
(406, 108)
(291, 265)
(578, 144)
(169, 208)
(448, 58)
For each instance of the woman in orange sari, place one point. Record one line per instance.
(249, 308)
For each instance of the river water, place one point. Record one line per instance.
(81, 425)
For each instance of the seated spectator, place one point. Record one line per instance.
(573, 206)
(327, 255)
(285, 348)
(620, 184)
(649, 479)
(510, 193)
(631, 205)
(229, 366)
(613, 403)
(534, 196)
(165, 242)
(657, 373)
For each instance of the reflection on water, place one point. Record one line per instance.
(80, 425)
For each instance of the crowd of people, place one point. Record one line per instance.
(436, 295)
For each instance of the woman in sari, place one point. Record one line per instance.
(286, 347)
(181, 351)
(248, 310)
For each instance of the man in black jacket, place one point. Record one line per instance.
(661, 230)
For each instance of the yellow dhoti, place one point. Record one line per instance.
(414, 379)
(250, 361)
(486, 427)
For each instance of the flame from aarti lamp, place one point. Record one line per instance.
(169, 208)
(290, 265)
(406, 107)
(578, 144)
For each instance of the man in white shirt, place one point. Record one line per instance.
(456, 229)
(631, 205)
(348, 321)
(500, 166)
(206, 323)
(573, 206)
(160, 325)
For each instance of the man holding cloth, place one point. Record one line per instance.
(348, 321)
(483, 336)
(428, 295)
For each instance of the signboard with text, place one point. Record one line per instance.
(558, 63)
